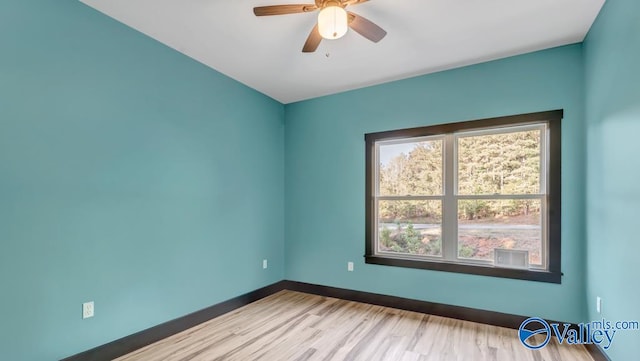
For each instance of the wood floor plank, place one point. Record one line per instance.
(302, 327)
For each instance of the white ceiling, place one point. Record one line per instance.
(424, 36)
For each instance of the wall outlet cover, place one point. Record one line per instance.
(87, 309)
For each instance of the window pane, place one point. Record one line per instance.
(507, 163)
(410, 168)
(410, 227)
(484, 225)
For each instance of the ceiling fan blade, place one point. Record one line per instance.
(353, 2)
(312, 41)
(283, 9)
(366, 28)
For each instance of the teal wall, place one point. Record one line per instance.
(612, 73)
(324, 207)
(135, 177)
(130, 175)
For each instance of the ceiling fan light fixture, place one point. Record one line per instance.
(332, 21)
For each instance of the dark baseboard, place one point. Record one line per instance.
(597, 353)
(461, 313)
(438, 309)
(146, 337)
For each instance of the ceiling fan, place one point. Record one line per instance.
(333, 20)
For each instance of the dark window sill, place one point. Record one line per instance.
(520, 274)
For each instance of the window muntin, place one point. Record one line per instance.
(444, 197)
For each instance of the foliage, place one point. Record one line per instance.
(406, 239)
(385, 237)
(466, 251)
(505, 164)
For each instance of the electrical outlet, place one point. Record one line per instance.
(264, 264)
(350, 266)
(598, 304)
(87, 309)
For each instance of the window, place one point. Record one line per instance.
(479, 197)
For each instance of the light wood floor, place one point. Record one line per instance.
(297, 326)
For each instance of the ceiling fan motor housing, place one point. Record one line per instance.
(332, 20)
